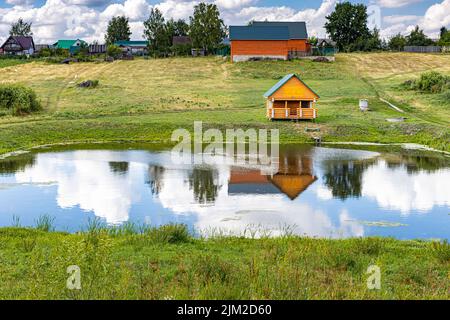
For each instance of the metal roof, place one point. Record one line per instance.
(66, 44)
(259, 33)
(297, 30)
(280, 83)
(131, 43)
(26, 42)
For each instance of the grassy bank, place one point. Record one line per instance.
(146, 100)
(167, 263)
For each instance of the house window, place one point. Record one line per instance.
(306, 104)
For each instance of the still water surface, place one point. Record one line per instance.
(320, 192)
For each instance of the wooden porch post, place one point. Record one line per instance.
(286, 109)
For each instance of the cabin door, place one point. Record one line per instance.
(293, 106)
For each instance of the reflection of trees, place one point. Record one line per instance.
(9, 165)
(119, 167)
(202, 182)
(156, 175)
(345, 178)
(416, 163)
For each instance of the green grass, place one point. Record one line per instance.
(145, 100)
(167, 263)
(11, 62)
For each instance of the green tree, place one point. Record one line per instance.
(347, 25)
(418, 38)
(206, 27)
(176, 28)
(20, 28)
(397, 43)
(444, 41)
(443, 31)
(118, 29)
(113, 51)
(155, 31)
(313, 41)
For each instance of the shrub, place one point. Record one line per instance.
(89, 84)
(18, 99)
(441, 250)
(171, 233)
(432, 82)
(113, 51)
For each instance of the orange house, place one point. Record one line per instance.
(269, 40)
(291, 99)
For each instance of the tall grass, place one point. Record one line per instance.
(45, 223)
(143, 262)
(441, 250)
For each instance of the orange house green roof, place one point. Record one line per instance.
(282, 82)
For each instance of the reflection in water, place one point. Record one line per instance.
(295, 175)
(119, 167)
(396, 189)
(17, 164)
(345, 178)
(156, 178)
(315, 191)
(204, 182)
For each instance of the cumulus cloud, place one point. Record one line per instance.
(88, 184)
(420, 191)
(19, 2)
(396, 3)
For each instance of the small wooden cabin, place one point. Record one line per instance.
(291, 99)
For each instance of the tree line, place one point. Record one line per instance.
(205, 29)
(347, 25)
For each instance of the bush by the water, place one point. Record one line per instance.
(432, 82)
(18, 99)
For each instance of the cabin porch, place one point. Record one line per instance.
(291, 110)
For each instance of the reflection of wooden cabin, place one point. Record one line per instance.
(295, 175)
(291, 99)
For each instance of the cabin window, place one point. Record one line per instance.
(306, 104)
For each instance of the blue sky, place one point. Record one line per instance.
(87, 19)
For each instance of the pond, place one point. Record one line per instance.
(317, 191)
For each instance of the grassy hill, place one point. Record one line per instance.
(146, 99)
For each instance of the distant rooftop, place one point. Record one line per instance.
(297, 29)
(258, 33)
(131, 43)
(267, 30)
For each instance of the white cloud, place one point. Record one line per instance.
(108, 196)
(19, 2)
(420, 191)
(436, 16)
(315, 18)
(396, 3)
(233, 4)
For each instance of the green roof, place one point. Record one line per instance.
(259, 33)
(280, 83)
(297, 30)
(66, 44)
(131, 43)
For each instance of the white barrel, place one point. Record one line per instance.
(364, 105)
